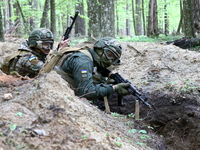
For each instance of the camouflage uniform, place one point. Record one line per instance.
(30, 57)
(80, 66)
(28, 64)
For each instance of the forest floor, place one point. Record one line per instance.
(43, 112)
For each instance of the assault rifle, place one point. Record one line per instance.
(119, 79)
(69, 29)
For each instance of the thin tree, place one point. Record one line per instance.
(133, 14)
(43, 23)
(181, 18)
(143, 18)
(17, 20)
(166, 20)
(9, 11)
(127, 20)
(2, 39)
(31, 20)
(53, 18)
(117, 17)
(22, 15)
(4, 14)
(138, 18)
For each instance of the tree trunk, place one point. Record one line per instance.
(53, 18)
(138, 18)
(9, 14)
(59, 26)
(166, 21)
(43, 23)
(133, 13)
(80, 22)
(17, 20)
(4, 20)
(144, 27)
(196, 13)
(152, 19)
(2, 39)
(32, 22)
(181, 19)
(188, 19)
(117, 17)
(127, 20)
(24, 20)
(101, 18)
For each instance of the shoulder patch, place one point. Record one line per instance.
(84, 73)
(31, 58)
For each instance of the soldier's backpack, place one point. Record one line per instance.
(13, 57)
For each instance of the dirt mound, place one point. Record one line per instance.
(64, 120)
(46, 114)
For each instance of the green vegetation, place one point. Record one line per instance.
(119, 144)
(1, 134)
(132, 131)
(114, 114)
(129, 123)
(140, 143)
(161, 38)
(13, 127)
(18, 92)
(19, 114)
(131, 115)
(84, 137)
(142, 131)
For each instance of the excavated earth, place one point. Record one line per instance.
(43, 112)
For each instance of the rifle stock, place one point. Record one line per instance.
(132, 90)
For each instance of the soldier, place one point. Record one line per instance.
(79, 68)
(30, 57)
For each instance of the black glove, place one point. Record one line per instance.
(121, 89)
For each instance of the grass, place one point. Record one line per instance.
(161, 38)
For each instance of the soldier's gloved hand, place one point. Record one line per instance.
(121, 89)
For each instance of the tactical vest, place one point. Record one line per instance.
(13, 58)
(55, 60)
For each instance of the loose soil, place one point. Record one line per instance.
(49, 116)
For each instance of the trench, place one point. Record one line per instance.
(174, 118)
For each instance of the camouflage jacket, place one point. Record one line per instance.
(28, 63)
(80, 66)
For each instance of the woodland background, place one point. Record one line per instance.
(100, 18)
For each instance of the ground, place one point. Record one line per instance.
(44, 113)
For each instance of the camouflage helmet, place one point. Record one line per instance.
(39, 36)
(109, 45)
